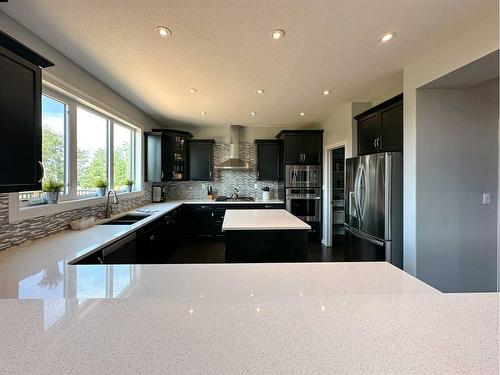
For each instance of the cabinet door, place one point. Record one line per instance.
(268, 161)
(391, 123)
(200, 161)
(368, 133)
(311, 147)
(20, 124)
(292, 149)
(155, 157)
(202, 220)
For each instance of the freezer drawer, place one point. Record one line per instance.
(362, 248)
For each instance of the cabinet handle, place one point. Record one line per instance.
(162, 175)
(379, 145)
(210, 174)
(173, 175)
(43, 171)
(99, 259)
(258, 174)
(375, 143)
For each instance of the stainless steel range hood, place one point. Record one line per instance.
(234, 161)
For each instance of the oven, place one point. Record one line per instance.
(304, 203)
(303, 176)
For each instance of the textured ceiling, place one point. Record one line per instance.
(223, 49)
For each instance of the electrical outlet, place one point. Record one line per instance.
(486, 198)
(255, 186)
(203, 186)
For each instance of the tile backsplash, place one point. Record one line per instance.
(12, 234)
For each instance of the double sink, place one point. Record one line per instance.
(128, 219)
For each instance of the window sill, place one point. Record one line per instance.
(17, 213)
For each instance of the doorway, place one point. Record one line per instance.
(337, 193)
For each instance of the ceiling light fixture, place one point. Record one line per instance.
(253, 113)
(387, 36)
(192, 90)
(327, 92)
(277, 34)
(260, 91)
(302, 113)
(203, 112)
(163, 31)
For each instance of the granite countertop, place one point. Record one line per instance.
(262, 220)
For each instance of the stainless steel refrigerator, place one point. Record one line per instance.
(374, 208)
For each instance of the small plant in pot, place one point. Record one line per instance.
(52, 188)
(101, 184)
(128, 185)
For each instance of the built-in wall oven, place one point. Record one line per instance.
(305, 203)
(303, 176)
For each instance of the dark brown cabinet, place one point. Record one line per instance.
(268, 159)
(166, 155)
(380, 129)
(201, 159)
(302, 147)
(20, 116)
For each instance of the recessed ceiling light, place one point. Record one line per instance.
(387, 36)
(302, 113)
(327, 92)
(277, 34)
(253, 113)
(203, 112)
(260, 91)
(163, 31)
(192, 90)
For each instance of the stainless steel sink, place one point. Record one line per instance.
(128, 219)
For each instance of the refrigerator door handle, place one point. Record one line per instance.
(363, 236)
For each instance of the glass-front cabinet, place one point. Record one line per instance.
(166, 155)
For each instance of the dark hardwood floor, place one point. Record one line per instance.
(211, 250)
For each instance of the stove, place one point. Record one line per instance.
(223, 198)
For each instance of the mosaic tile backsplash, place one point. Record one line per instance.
(12, 234)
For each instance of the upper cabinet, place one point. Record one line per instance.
(268, 159)
(166, 155)
(380, 129)
(21, 166)
(302, 146)
(201, 154)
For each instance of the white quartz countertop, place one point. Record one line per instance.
(278, 219)
(278, 334)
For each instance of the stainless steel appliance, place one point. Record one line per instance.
(305, 203)
(374, 208)
(303, 176)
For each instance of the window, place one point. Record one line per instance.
(92, 151)
(123, 158)
(82, 144)
(53, 143)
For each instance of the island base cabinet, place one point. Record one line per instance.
(265, 246)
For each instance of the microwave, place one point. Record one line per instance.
(303, 176)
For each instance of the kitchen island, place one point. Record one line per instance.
(264, 236)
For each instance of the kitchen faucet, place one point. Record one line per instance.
(107, 213)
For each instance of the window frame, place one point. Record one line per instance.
(19, 210)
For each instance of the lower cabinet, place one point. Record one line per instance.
(205, 220)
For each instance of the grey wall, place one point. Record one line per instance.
(457, 160)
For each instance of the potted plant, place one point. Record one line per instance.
(266, 193)
(52, 188)
(128, 185)
(101, 184)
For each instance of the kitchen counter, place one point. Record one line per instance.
(262, 220)
(286, 318)
(278, 332)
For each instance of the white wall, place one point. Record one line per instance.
(457, 160)
(68, 74)
(472, 42)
